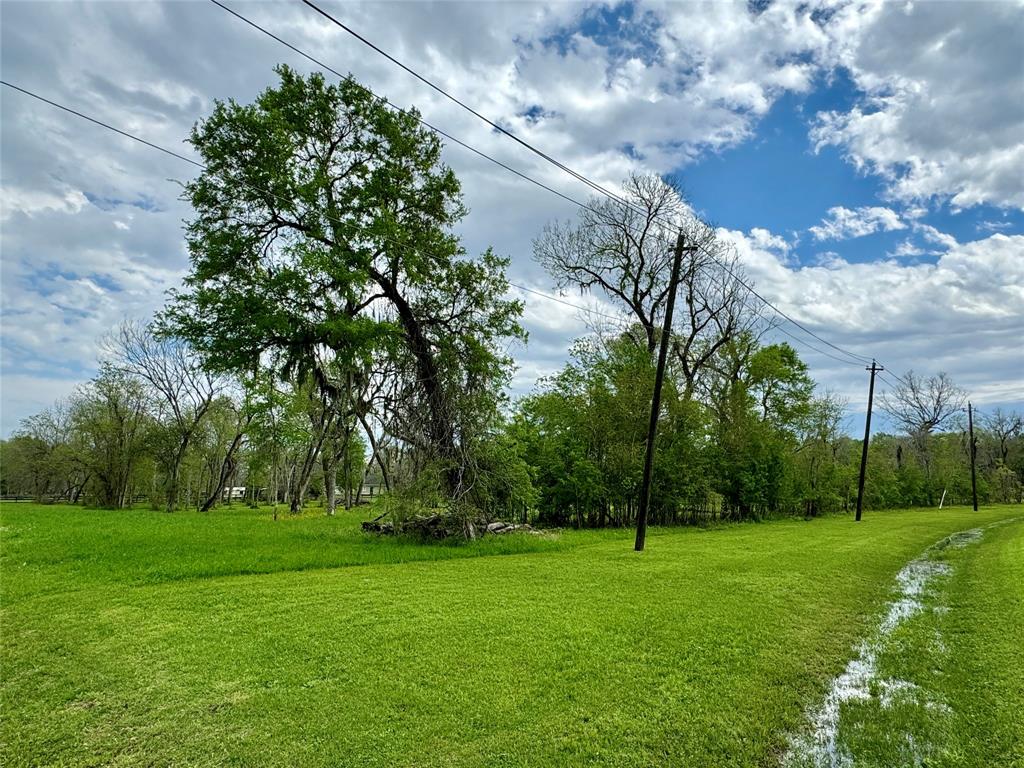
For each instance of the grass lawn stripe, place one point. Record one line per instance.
(704, 651)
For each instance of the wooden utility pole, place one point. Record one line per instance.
(867, 437)
(659, 377)
(973, 451)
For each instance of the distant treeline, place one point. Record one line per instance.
(756, 443)
(333, 333)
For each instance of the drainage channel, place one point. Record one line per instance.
(819, 746)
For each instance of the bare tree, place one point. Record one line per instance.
(626, 251)
(718, 305)
(1004, 426)
(179, 383)
(922, 405)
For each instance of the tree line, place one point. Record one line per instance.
(332, 330)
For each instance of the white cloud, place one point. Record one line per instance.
(672, 83)
(907, 249)
(944, 111)
(844, 223)
(568, 315)
(992, 226)
(940, 242)
(33, 201)
(762, 238)
(666, 87)
(933, 235)
(963, 314)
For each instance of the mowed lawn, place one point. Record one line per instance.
(143, 638)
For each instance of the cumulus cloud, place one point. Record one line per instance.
(92, 222)
(763, 238)
(844, 223)
(935, 236)
(943, 113)
(964, 313)
(992, 226)
(931, 242)
(908, 249)
(30, 201)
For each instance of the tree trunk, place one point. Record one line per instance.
(79, 489)
(227, 466)
(300, 478)
(348, 471)
(173, 476)
(273, 482)
(330, 482)
(287, 495)
(440, 429)
(376, 454)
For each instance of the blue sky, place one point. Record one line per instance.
(777, 176)
(865, 161)
(779, 179)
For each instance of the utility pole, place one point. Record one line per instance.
(973, 450)
(659, 377)
(867, 436)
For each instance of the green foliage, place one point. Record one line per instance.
(764, 445)
(322, 242)
(585, 435)
(26, 462)
(755, 441)
(748, 458)
(303, 191)
(777, 378)
(1004, 485)
(115, 429)
(504, 481)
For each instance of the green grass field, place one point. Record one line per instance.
(140, 638)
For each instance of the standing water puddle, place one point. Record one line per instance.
(820, 747)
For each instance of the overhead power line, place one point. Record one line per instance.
(177, 155)
(887, 377)
(624, 322)
(201, 166)
(808, 345)
(100, 123)
(500, 128)
(431, 127)
(382, 99)
(575, 174)
(621, 321)
(853, 359)
(589, 310)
